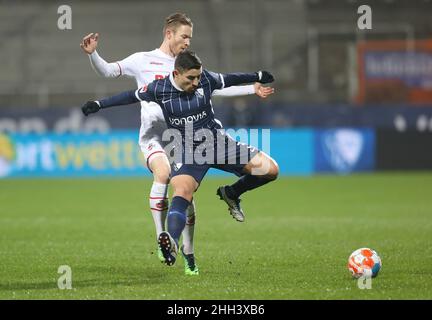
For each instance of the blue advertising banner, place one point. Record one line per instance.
(344, 150)
(297, 151)
(293, 149)
(53, 155)
(118, 154)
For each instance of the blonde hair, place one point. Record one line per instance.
(176, 20)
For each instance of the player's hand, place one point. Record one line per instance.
(89, 43)
(265, 77)
(90, 107)
(262, 91)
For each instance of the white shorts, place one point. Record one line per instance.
(152, 128)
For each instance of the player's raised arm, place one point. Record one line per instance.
(124, 98)
(106, 69)
(100, 66)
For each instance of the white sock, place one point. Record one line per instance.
(159, 205)
(188, 232)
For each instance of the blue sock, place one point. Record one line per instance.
(177, 217)
(245, 183)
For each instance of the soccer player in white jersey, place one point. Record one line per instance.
(146, 67)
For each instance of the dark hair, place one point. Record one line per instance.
(187, 60)
(175, 20)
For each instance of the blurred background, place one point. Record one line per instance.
(346, 99)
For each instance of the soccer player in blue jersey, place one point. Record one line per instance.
(185, 100)
(145, 67)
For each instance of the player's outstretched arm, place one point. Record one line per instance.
(100, 66)
(233, 79)
(123, 98)
(234, 91)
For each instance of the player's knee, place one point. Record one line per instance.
(161, 172)
(273, 170)
(161, 177)
(184, 192)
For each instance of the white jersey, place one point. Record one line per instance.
(146, 67)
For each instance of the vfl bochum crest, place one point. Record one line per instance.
(343, 148)
(200, 91)
(177, 166)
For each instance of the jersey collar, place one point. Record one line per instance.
(166, 56)
(171, 78)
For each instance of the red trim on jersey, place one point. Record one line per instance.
(148, 158)
(160, 198)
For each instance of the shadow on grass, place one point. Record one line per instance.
(95, 277)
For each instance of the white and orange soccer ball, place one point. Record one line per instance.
(364, 262)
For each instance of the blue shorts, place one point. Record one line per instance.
(229, 155)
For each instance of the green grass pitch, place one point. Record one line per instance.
(294, 244)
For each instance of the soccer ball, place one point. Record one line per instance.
(364, 262)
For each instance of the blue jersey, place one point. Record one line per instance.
(179, 107)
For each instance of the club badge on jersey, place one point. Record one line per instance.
(177, 166)
(200, 92)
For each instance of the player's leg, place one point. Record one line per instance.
(152, 128)
(183, 188)
(187, 248)
(185, 180)
(261, 169)
(188, 232)
(159, 173)
(158, 198)
(158, 163)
